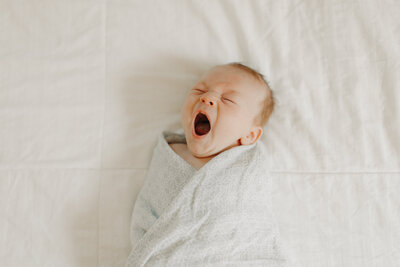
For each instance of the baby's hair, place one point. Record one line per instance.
(268, 104)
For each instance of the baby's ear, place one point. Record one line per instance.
(253, 136)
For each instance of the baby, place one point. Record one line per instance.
(227, 107)
(205, 199)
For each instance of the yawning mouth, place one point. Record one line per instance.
(201, 124)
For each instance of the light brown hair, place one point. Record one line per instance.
(268, 103)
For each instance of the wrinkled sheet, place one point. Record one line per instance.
(86, 86)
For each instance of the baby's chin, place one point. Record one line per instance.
(203, 151)
(200, 153)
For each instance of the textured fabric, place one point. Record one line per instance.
(218, 215)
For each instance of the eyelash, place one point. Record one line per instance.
(227, 100)
(223, 99)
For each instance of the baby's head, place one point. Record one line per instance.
(227, 107)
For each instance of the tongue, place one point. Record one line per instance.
(202, 128)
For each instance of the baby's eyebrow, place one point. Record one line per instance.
(232, 92)
(204, 84)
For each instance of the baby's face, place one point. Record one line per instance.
(230, 98)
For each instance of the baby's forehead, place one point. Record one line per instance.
(233, 78)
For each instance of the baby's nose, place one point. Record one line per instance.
(207, 100)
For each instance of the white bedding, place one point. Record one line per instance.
(86, 87)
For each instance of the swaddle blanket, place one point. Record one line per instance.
(215, 216)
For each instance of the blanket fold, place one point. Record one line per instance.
(216, 216)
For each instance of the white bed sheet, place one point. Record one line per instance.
(86, 86)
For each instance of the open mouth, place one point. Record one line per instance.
(202, 125)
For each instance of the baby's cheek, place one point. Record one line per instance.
(230, 122)
(189, 102)
(237, 122)
(186, 112)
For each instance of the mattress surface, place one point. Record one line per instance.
(86, 87)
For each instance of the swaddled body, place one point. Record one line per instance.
(216, 216)
(207, 203)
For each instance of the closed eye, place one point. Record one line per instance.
(198, 91)
(226, 99)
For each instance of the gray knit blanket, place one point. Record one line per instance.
(216, 216)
